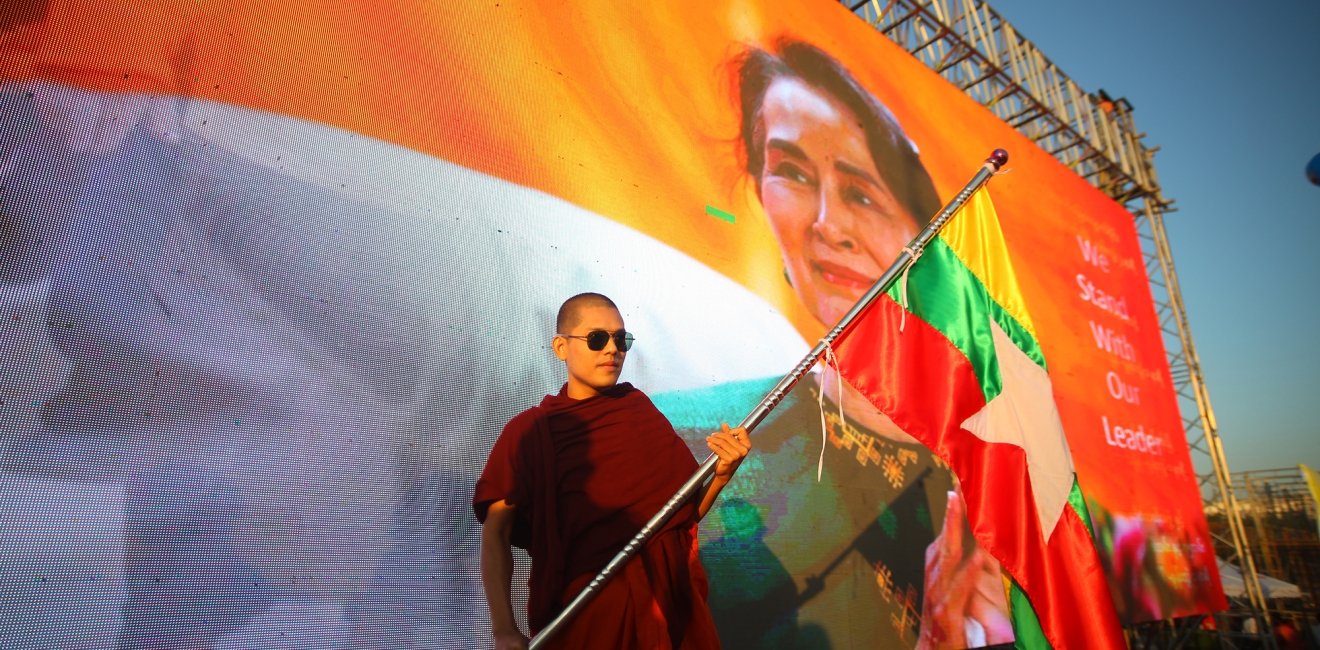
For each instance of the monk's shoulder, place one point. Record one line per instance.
(523, 423)
(527, 418)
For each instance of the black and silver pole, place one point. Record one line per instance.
(998, 158)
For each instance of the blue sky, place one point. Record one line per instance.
(1230, 93)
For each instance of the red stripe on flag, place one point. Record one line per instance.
(916, 377)
(1064, 579)
(928, 387)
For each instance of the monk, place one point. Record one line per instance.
(573, 479)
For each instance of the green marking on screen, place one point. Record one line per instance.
(719, 214)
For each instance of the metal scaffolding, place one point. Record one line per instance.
(975, 49)
(1283, 530)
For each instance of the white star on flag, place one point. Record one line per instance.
(1024, 414)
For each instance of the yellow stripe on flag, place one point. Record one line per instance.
(974, 236)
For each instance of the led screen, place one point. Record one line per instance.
(274, 277)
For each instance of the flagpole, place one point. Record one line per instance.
(998, 158)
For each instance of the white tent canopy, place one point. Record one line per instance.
(1231, 578)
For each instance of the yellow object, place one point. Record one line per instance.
(1313, 481)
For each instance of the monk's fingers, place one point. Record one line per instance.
(739, 447)
(735, 438)
(716, 443)
(742, 446)
(739, 436)
(725, 447)
(726, 430)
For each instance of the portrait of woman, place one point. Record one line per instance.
(846, 532)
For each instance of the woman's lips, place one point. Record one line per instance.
(842, 275)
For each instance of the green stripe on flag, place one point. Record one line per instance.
(1027, 633)
(942, 291)
(1078, 503)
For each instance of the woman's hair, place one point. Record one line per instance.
(894, 155)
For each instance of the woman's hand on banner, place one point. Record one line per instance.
(964, 603)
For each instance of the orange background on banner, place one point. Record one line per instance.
(625, 109)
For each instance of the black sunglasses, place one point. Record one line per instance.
(597, 339)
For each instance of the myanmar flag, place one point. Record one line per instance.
(963, 372)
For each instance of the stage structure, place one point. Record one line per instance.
(1281, 514)
(973, 47)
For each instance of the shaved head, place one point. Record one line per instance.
(569, 311)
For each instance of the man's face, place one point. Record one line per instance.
(590, 372)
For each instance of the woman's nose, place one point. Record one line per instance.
(833, 225)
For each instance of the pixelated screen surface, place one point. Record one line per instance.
(274, 278)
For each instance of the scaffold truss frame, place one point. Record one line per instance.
(974, 48)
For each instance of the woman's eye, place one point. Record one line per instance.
(791, 172)
(859, 196)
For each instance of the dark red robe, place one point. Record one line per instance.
(585, 475)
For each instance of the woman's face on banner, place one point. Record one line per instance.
(838, 224)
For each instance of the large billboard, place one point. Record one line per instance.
(274, 278)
